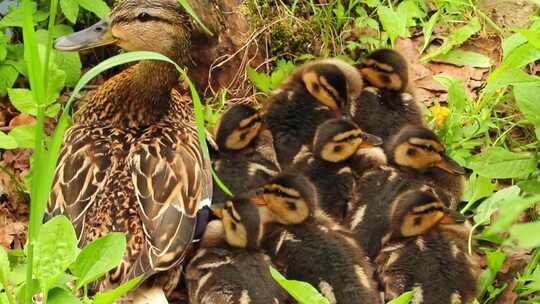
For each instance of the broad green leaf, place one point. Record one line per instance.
(262, 81)
(302, 292)
(427, 29)
(410, 12)
(4, 266)
(3, 298)
(3, 46)
(187, 7)
(283, 69)
(404, 298)
(57, 79)
(108, 297)
(70, 63)
(394, 24)
(7, 142)
(526, 235)
(511, 76)
(458, 37)
(530, 186)
(527, 101)
(532, 36)
(24, 135)
(61, 296)
(70, 8)
(498, 162)
(495, 260)
(98, 7)
(55, 249)
(98, 257)
(509, 212)
(15, 17)
(478, 187)
(8, 76)
(457, 97)
(459, 57)
(22, 100)
(492, 203)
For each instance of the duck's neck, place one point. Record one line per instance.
(137, 97)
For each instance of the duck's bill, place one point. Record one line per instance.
(96, 35)
(449, 165)
(370, 141)
(452, 217)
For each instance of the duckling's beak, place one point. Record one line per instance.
(370, 141)
(452, 216)
(96, 35)
(451, 166)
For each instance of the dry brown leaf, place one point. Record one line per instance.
(22, 119)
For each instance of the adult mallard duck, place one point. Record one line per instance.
(132, 162)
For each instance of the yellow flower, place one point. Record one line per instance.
(439, 113)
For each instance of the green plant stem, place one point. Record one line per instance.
(48, 50)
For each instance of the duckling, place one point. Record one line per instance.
(433, 262)
(385, 105)
(132, 161)
(335, 141)
(246, 156)
(419, 155)
(301, 240)
(314, 93)
(219, 273)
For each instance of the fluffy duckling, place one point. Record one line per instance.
(314, 93)
(385, 105)
(434, 263)
(419, 155)
(335, 141)
(245, 156)
(303, 243)
(219, 273)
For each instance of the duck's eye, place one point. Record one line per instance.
(143, 17)
(291, 206)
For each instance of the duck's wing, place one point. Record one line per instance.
(84, 166)
(172, 181)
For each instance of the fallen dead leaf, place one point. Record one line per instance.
(22, 119)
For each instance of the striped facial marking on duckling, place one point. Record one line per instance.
(328, 84)
(385, 69)
(242, 136)
(421, 154)
(286, 203)
(242, 223)
(336, 140)
(422, 218)
(381, 75)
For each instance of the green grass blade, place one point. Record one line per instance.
(194, 15)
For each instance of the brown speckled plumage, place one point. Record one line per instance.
(132, 162)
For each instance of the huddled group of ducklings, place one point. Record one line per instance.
(337, 182)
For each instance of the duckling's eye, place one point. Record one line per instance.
(417, 220)
(338, 148)
(291, 206)
(233, 226)
(411, 152)
(144, 17)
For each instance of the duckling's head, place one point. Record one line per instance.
(242, 223)
(290, 198)
(385, 69)
(327, 83)
(238, 127)
(338, 139)
(416, 211)
(420, 149)
(137, 25)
